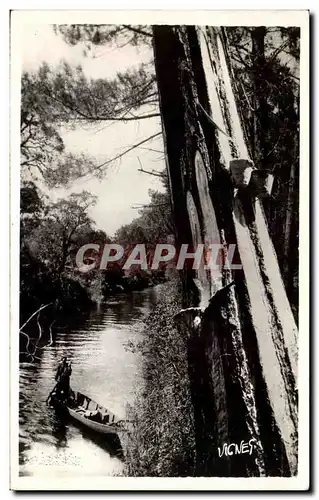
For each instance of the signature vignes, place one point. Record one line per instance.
(237, 449)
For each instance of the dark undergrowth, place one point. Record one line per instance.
(162, 440)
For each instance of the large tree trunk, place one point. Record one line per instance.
(240, 333)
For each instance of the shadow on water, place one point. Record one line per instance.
(59, 429)
(110, 443)
(107, 442)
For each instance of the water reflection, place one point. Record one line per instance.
(101, 368)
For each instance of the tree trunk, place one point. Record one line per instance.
(240, 332)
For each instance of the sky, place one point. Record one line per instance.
(123, 186)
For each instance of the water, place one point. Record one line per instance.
(103, 369)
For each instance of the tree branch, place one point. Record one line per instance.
(120, 155)
(32, 315)
(155, 150)
(138, 206)
(137, 30)
(91, 118)
(277, 51)
(151, 173)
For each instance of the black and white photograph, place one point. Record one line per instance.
(159, 305)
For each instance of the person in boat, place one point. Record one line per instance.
(61, 368)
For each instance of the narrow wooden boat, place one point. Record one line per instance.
(91, 414)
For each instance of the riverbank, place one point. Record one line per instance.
(162, 442)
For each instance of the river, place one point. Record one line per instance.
(103, 368)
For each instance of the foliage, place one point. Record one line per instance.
(56, 98)
(162, 442)
(153, 225)
(50, 242)
(99, 34)
(43, 154)
(64, 96)
(30, 200)
(50, 235)
(70, 96)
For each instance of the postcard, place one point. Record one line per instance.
(160, 207)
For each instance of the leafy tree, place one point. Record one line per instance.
(52, 99)
(70, 97)
(51, 241)
(153, 225)
(87, 234)
(30, 200)
(43, 154)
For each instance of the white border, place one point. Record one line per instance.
(157, 16)
(218, 18)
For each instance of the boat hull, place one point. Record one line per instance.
(95, 426)
(86, 411)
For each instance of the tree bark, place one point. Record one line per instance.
(241, 338)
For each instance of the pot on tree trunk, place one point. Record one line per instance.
(261, 183)
(241, 171)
